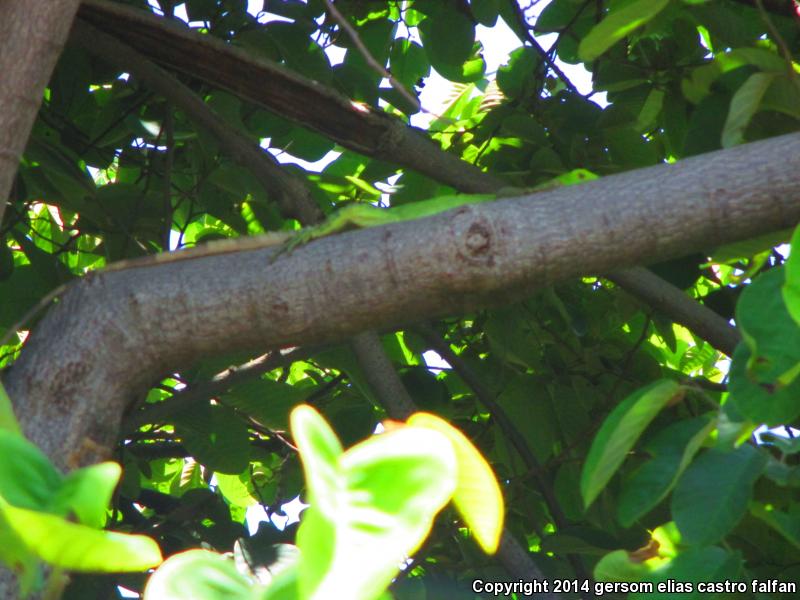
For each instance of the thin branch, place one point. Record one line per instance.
(385, 383)
(219, 384)
(787, 54)
(370, 60)
(668, 299)
(538, 48)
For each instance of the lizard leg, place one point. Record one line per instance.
(353, 216)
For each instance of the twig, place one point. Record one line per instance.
(538, 48)
(374, 64)
(384, 381)
(215, 386)
(787, 55)
(510, 430)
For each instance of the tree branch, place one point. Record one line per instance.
(391, 392)
(112, 335)
(663, 296)
(31, 37)
(306, 102)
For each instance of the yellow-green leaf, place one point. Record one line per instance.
(477, 497)
(617, 24)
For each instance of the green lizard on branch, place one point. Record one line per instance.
(360, 216)
(350, 217)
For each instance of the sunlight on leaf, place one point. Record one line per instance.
(371, 507)
(477, 497)
(616, 25)
(619, 433)
(77, 547)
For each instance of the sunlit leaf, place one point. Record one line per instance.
(477, 497)
(370, 507)
(77, 547)
(619, 433)
(198, 574)
(620, 21)
(8, 421)
(27, 477)
(87, 493)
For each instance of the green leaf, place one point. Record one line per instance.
(691, 567)
(768, 329)
(370, 507)
(198, 575)
(27, 477)
(408, 62)
(672, 450)
(514, 78)
(619, 433)
(761, 402)
(77, 547)
(744, 104)
(256, 484)
(783, 96)
(447, 37)
(87, 493)
(318, 445)
(268, 402)
(764, 375)
(651, 109)
(791, 285)
(17, 557)
(557, 15)
(477, 496)
(620, 21)
(785, 523)
(8, 421)
(485, 11)
(215, 436)
(712, 495)
(282, 587)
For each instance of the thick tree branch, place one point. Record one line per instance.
(114, 334)
(313, 105)
(291, 193)
(271, 86)
(31, 37)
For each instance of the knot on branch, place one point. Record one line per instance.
(476, 237)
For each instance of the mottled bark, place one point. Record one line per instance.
(112, 335)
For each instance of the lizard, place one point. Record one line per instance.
(360, 216)
(349, 217)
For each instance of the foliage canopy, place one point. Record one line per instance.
(611, 427)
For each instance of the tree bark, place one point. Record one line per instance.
(32, 35)
(113, 334)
